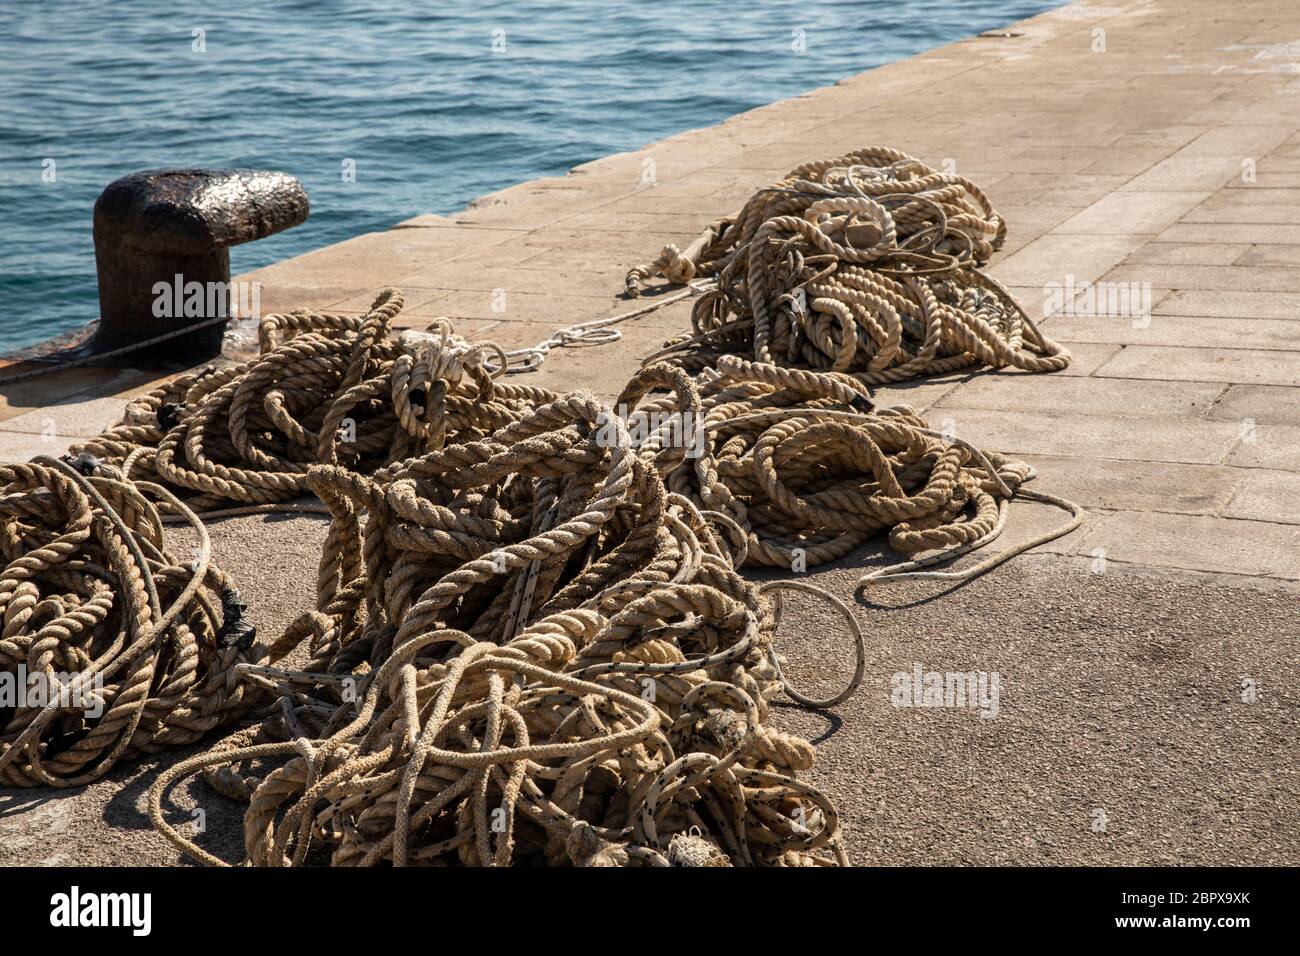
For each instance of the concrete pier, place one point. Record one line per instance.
(1147, 158)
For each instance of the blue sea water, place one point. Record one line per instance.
(436, 103)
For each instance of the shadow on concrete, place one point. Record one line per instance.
(196, 811)
(832, 720)
(14, 801)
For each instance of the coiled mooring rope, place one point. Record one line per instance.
(556, 662)
(530, 641)
(325, 388)
(866, 264)
(111, 646)
(804, 464)
(551, 656)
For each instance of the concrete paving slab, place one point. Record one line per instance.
(568, 281)
(1175, 330)
(1086, 396)
(1288, 215)
(548, 312)
(1182, 172)
(1233, 232)
(1053, 257)
(1267, 446)
(1263, 404)
(85, 418)
(1277, 255)
(1131, 211)
(1031, 432)
(1267, 180)
(1237, 141)
(1252, 198)
(23, 446)
(1244, 366)
(1225, 304)
(1249, 278)
(60, 387)
(1192, 253)
(1268, 496)
(1081, 189)
(1197, 543)
(1113, 484)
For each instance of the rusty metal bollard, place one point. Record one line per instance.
(162, 251)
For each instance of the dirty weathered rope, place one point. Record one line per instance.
(531, 643)
(325, 388)
(133, 650)
(526, 649)
(866, 264)
(803, 463)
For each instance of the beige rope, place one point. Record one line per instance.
(497, 607)
(617, 714)
(530, 642)
(144, 648)
(800, 462)
(325, 388)
(866, 265)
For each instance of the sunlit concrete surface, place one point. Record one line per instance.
(1147, 159)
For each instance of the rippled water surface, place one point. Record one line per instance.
(435, 102)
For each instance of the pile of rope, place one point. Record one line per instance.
(535, 647)
(865, 264)
(326, 388)
(111, 647)
(531, 643)
(526, 649)
(803, 463)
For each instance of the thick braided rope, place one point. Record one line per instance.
(801, 462)
(525, 650)
(492, 614)
(530, 642)
(533, 646)
(143, 648)
(866, 264)
(326, 389)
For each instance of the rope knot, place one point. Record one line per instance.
(692, 849)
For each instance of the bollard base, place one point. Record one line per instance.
(162, 241)
(184, 350)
